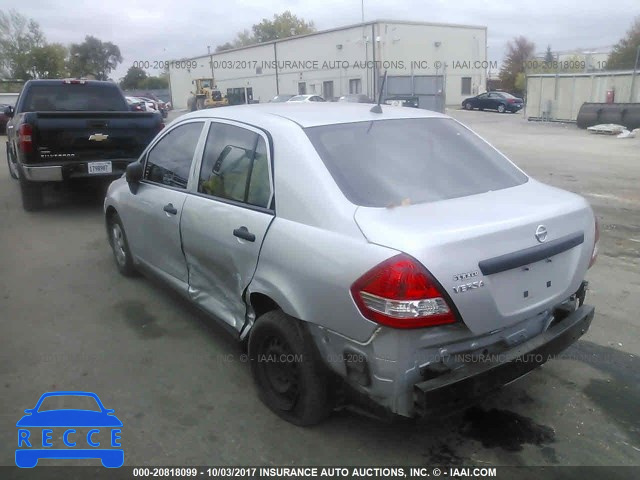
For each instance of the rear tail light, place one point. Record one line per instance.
(25, 140)
(401, 293)
(596, 241)
(512, 100)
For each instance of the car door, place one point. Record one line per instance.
(493, 101)
(480, 101)
(225, 220)
(153, 219)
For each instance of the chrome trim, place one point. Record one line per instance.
(51, 173)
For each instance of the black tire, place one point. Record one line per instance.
(468, 106)
(31, 193)
(12, 171)
(501, 109)
(120, 246)
(287, 370)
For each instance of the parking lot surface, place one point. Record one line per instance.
(177, 381)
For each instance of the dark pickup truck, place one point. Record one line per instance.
(73, 130)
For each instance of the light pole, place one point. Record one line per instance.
(633, 77)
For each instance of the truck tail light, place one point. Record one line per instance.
(25, 141)
(401, 293)
(594, 252)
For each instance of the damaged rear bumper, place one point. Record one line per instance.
(453, 388)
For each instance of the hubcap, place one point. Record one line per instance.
(280, 371)
(118, 244)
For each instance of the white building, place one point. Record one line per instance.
(438, 63)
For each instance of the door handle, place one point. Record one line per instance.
(244, 233)
(170, 209)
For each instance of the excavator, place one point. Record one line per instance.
(206, 95)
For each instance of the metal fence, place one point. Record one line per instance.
(559, 97)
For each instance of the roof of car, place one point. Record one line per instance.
(312, 114)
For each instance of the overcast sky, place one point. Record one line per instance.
(171, 29)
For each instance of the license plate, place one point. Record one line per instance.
(96, 168)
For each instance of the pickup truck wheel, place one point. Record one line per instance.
(31, 193)
(120, 246)
(13, 168)
(287, 370)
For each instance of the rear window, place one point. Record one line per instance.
(73, 98)
(392, 162)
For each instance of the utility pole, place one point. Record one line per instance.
(633, 77)
(362, 9)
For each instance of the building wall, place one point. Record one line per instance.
(563, 95)
(342, 55)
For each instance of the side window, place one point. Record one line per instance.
(235, 165)
(169, 162)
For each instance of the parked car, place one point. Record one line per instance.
(355, 98)
(158, 105)
(136, 104)
(3, 118)
(500, 101)
(73, 130)
(306, 98)
(281, 98)
(403, 101)
(149, 104)
(443, 271)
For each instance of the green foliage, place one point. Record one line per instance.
(137, 79)
(19, 36)
(133, 78)
(49, 61)
(623, 55)
(519, 52)
(282, 26)
(93, 58)
(521, 82)
(155, 83)
(548, 56)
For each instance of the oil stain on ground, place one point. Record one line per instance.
(142, 322)
(504, 429)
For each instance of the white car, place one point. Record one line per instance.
(150, 106)
(422, 268)
(306, 98)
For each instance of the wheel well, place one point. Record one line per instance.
(262, 304)
(110, 212)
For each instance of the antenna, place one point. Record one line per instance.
(377, 108)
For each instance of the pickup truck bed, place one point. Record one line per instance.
(55, 136)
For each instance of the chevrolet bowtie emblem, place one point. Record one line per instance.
(98, 137)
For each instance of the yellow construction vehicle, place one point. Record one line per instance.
(206, 95)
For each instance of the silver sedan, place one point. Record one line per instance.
(394, 257)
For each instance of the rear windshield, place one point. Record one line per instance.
(392, 162)
(73, 98)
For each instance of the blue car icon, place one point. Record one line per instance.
(31, 448)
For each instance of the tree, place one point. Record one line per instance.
(133, 78)
(49, 61)
(155, 83)
(623, 55)
(93, 57)
(519, 50)
(548, 56)
(19, 36)
(282, 26)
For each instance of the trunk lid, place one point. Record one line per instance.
(484, 252)
(93, 135)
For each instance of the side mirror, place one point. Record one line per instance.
(8, 111)
(133, 175)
